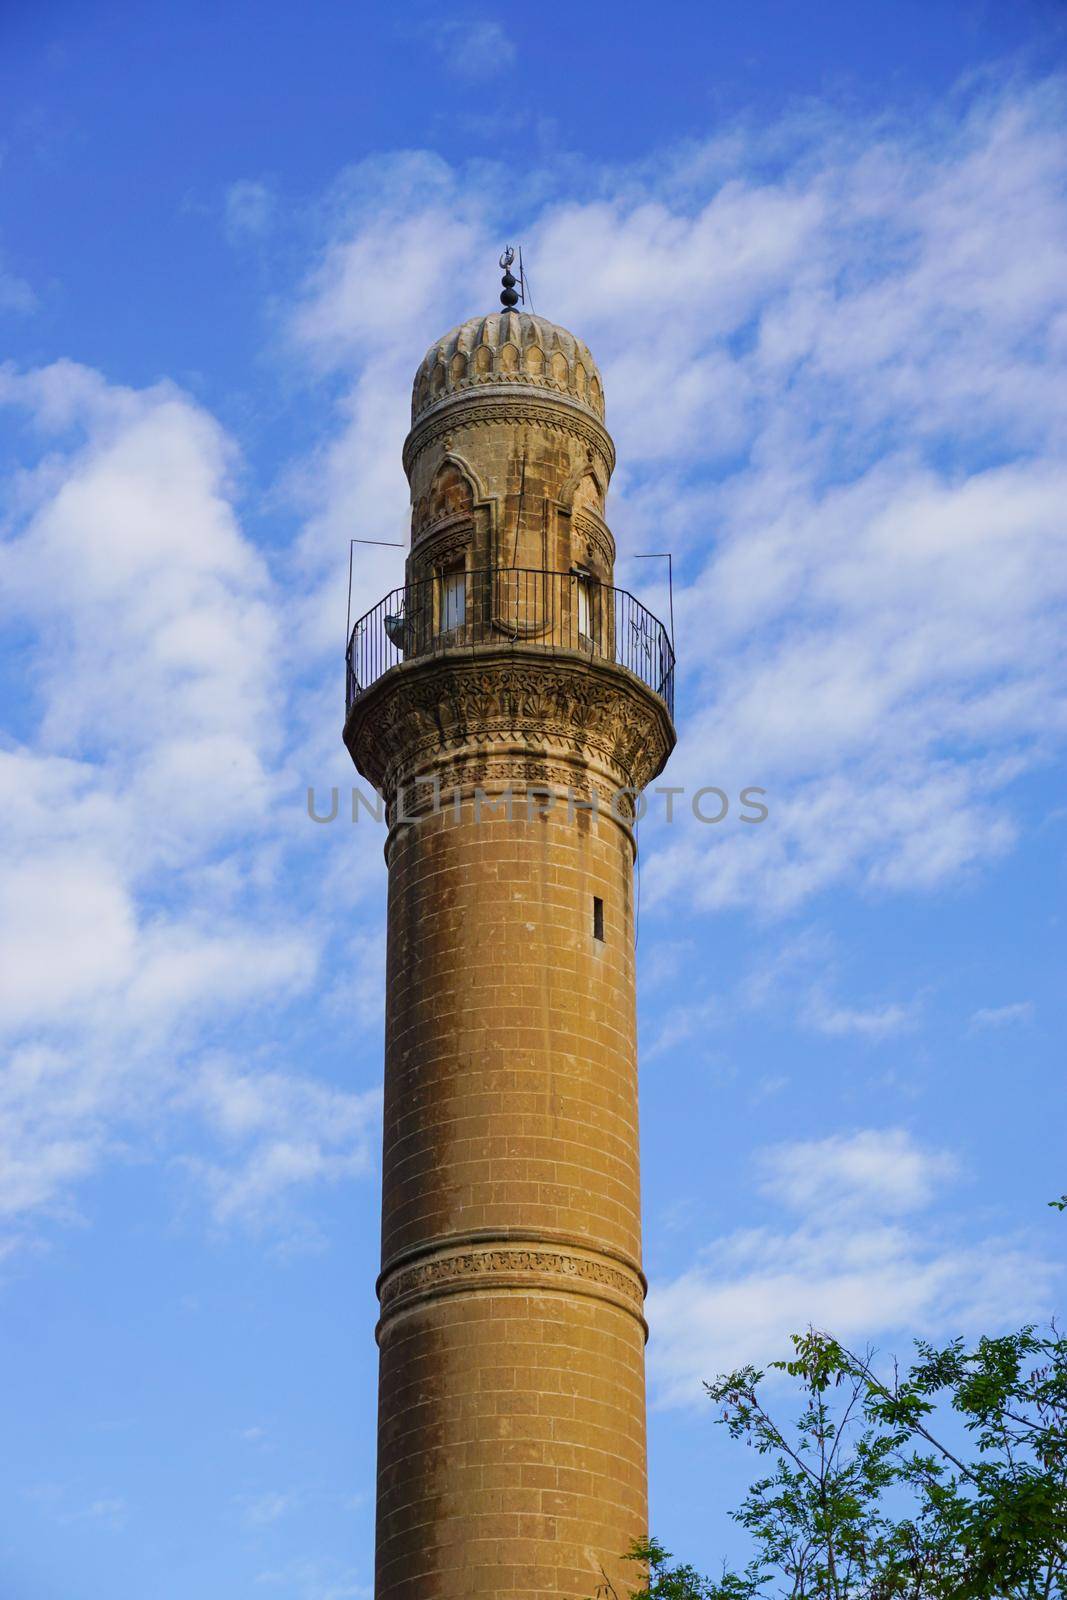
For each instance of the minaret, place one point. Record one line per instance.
(508, 702)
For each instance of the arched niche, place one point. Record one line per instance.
(585, 540)
(454, 495)
(587, 496)
(451, 493)
(584, 489)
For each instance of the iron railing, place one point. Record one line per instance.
(510, 605)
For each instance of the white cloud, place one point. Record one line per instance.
(664, 960)
(278, 1132)
(132, 553)
(52, 1128)
(883, 1171)
(15, 293)
(801, 976)
(153, 748)
(472, 49)
(69, 935)
(394, 215)
(186, 966)
(886, 698)
(844, 1265)
(101, 992)
(756, 1288)
(683, 1023)
(116, 1060)
(1020, 1011)
(249, 208)
(360, 310)
(260, 1510)
(767, 1087)
(109, 1511)
(876, 629)
(359, 993)
(874, 1022)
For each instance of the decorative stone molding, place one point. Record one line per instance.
(586, 469)
(496, 772)
(597, 535)
(437, 544)
(517, 404)
(510, 1265)
(546, 702)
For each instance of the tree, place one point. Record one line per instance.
(864, 1499)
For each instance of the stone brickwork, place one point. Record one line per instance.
(511, 1401)
(508, 467)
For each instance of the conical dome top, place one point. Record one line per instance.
(508, 347)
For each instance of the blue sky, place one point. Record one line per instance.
(821, 257)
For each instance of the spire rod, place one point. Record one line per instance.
(508, 298)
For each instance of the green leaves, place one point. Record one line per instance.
(870, 1493)
(664, 1582)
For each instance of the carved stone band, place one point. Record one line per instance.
(553, 702)
(511, 1265)
(502, 770)
(529, 405)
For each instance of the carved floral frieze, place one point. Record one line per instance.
(424, 713)
(510, 1266)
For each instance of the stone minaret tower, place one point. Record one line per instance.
(511, 1425)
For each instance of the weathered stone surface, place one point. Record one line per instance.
(509, 464)
(507, 347)
(554, 708)
(511, 1402)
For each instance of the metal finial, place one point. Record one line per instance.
(508, 298)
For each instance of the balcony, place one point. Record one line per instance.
(520, 606)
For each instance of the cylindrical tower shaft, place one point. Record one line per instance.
(511, 1401)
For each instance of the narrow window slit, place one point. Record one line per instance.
(598, 917)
